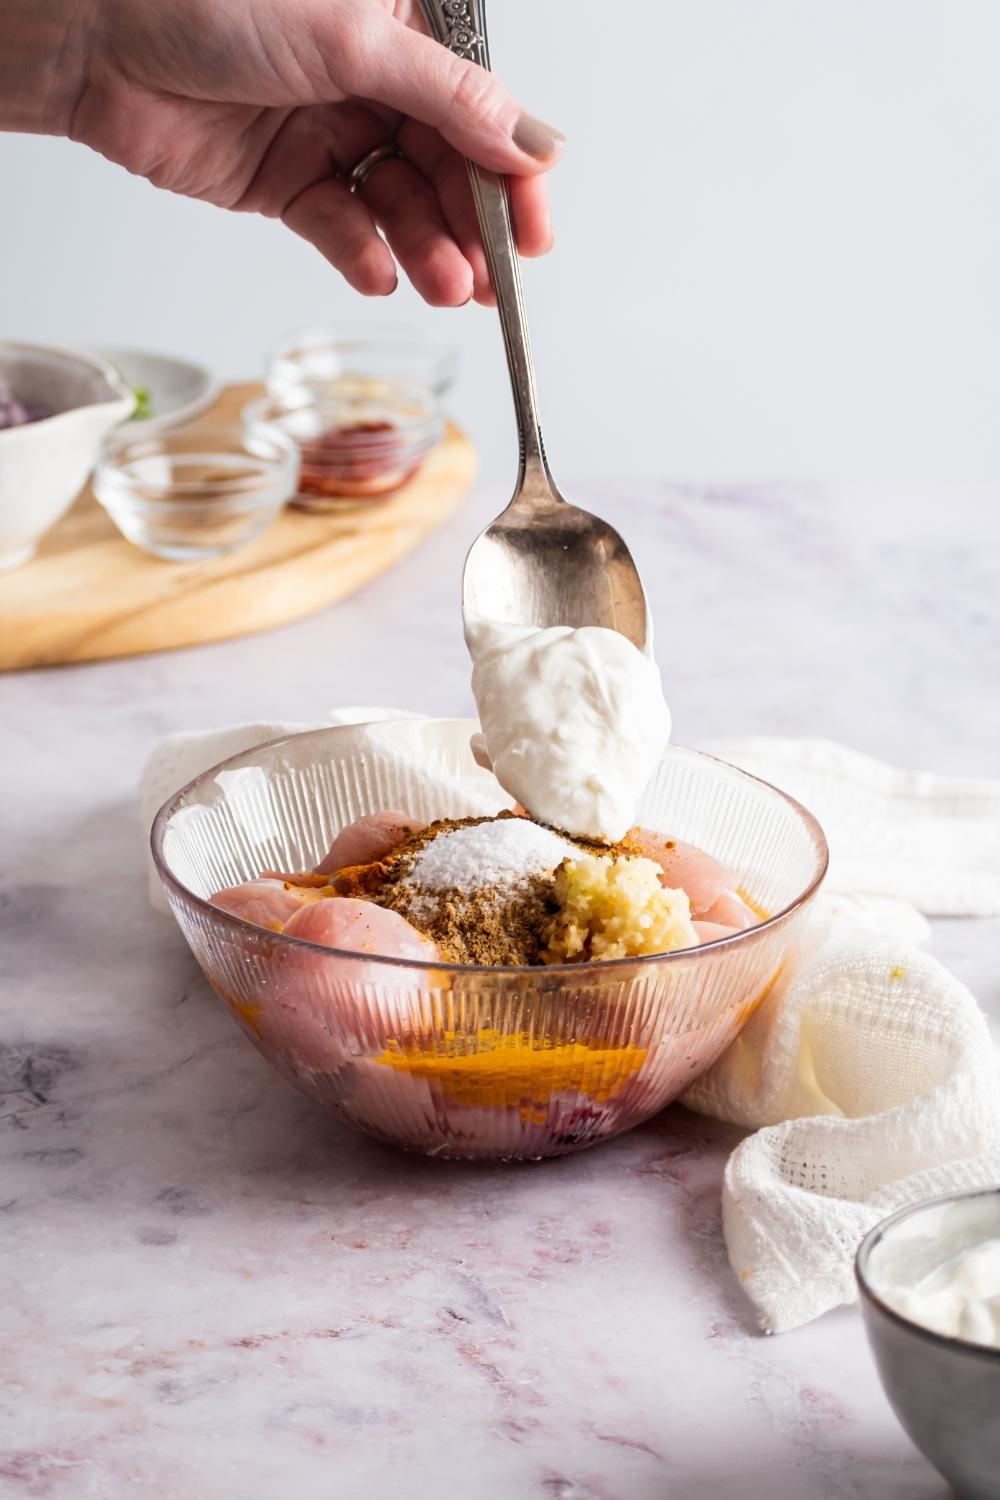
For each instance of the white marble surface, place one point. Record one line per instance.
(215, 1290)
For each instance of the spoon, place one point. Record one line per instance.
(542, 561)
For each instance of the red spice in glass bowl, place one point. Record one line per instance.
(355, 448)
(359, 460)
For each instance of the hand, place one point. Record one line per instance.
(258, 105)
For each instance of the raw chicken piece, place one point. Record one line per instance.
(292, 1005)
(731, 911)
(702, 877)
(366, 840)
(709, 931)
(360, 927)
(265, 902)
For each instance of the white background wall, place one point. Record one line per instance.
(778, 244)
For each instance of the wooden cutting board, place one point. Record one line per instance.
(89, 594)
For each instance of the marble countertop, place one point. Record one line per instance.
(213, 1289)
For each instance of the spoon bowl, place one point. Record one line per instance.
(545, 562)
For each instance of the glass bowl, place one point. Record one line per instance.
(359, 442)
(195, 492)
(316, 355)
(456, 1060)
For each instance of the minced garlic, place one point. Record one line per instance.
(615, 908)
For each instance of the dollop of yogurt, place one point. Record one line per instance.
(959, 1298)
(573, 721)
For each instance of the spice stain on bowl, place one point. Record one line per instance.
(496, 1070)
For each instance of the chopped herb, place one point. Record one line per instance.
(143, 402)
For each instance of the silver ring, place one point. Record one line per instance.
(363, 169)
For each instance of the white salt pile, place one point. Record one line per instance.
(504, 855)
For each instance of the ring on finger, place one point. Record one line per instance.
(363, 169)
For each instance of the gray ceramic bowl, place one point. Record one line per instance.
(945, 1391)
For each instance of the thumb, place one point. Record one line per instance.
(389, 63)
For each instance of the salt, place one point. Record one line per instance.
(505, 854)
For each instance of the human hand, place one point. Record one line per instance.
(263, 105)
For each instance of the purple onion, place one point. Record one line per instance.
(15, 413)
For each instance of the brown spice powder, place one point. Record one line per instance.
(481, 927)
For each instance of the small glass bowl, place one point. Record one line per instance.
(314, 356)
(196, 492)
(356, 445)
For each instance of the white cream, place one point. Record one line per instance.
(960, 1297)
(573, 721)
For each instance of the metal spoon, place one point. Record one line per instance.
(542, 561)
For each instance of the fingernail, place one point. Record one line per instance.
(536, 138)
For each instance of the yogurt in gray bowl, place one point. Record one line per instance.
(930, 1293)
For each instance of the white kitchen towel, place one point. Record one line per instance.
(870, 1081)
(933, 841)
(868, 1076)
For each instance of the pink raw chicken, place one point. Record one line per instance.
(709, 931)
(702, 877)
(265, 902)
(366, 840)
(360, 927)
(731, 911)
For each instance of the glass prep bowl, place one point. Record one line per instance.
(359, 441)
(313, 356)
(456, 1060)
(197, 492)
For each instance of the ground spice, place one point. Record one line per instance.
(494, 1070)
(490, 924)
(358, 460)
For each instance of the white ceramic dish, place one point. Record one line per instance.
(179, 390)
(43, 464)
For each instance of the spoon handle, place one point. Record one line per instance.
(460, 25)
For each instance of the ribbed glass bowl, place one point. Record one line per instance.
(457, 1060)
